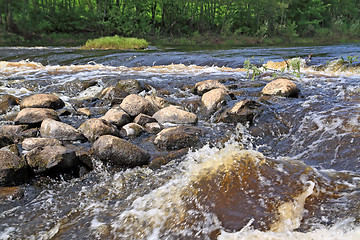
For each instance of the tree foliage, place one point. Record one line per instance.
(262, 18)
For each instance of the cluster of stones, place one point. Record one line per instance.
(39, 143)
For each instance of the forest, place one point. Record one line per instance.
(286, 19)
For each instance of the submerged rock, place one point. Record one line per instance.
(59, 130)
(117, 116)
(34, 116)
(31, 143)
(11, 193)
(6, 102)
(52, 159)
(113, 95)
(281, 87)
(42, 101)
(178, 137)
(163, 160)
(242, 112)
(202, 87)
(175, 115)
(130, 85)
(96, 127)
(13, 169)
(114, 150)
(135, 104)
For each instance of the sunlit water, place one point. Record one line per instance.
(292, 174)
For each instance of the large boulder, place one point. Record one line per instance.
(52, 159)
(135, 104)
(202, 87)
(242, 112)
(130, 85)
(281, 87)
(59, 130)
(96, 127)
(117, 116)
(175, 115)
(119, 152)
(212, 100)
(35, 116)
(6, 102)
(42, 101)
(30, 143)
(13, 169)
(178, 137)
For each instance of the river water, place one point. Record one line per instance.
(294, 173)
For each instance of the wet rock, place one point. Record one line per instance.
(143, 119)
(212, 100)
(175, 115)
(178, 137)
(42, 101)
(34, 116)
(51, 159)
(153, 127)
(113, 95)
(134, 105)
(158, 162)
(5, 140)
(11, 193)
(83, 155)
(13, 169)
(96, 127)
(202, 87)
(159, 102)
(281, 87)
(242, 112)
(133, 129)
(117, 116)
(192, 105)
(114, 150)
(30, 143)
(18, 132)
(11, 148)
(59, 130)
(6, 102)
(91, 112)
(130, 85)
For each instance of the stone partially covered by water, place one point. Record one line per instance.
(96, 127)
(135, 104)
(13, 169)
(281, 87)
(174, 114)
(119, 152)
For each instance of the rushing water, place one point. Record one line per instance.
(292, 174)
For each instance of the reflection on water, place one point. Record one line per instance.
(292, 174)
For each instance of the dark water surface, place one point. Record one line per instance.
(294, 173)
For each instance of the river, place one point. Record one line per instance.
(294, 173)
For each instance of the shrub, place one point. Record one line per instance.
(116, 42)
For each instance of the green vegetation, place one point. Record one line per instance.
(116, 42)
(188, 22)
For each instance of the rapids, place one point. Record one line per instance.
(294, 173)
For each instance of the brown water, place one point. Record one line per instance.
(293, 174)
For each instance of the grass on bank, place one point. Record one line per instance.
(116, 42)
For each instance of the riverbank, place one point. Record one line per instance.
(207, 39)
